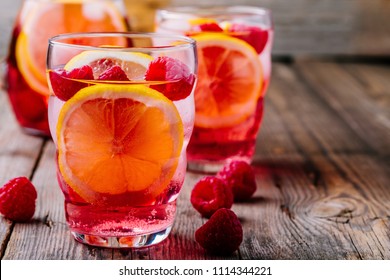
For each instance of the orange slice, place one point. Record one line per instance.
(229, 81)
(118, 139)
(44, 19)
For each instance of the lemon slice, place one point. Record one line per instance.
(133, 63)
(41, 20)
(230, 81)
(199, 21)
(118, 140)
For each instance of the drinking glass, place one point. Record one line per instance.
(234, 52)
(121, 113)
(37, 21)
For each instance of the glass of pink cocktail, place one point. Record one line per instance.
(37, 21)
(234, 52)
(121, 114)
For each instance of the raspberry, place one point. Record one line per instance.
(62, 84)
(104, 63)
(211, 194)
(171, 69)
(254, 36)
(114, 73)
(239, 176)
(17, 199)
(207, 27)
(222, 234)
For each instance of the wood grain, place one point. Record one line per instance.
(347, 97)
(18, 156)
(323, 203)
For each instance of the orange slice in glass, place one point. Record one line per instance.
(118, 140)
(229, 84)
(41, 20)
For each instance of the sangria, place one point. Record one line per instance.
(38, 20)
(121, 118)
(234, 52)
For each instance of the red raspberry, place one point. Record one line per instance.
(17, 199)
(239, 176)
(222, 234)
(204, 27)
(207, 27)
(254, 36)
(211, 194)
(62, 84)
(114, 73)
(171, 69)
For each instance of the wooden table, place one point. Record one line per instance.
(322, 167)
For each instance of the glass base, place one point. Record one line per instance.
(213, 167)
(206, 167)
(133, 241)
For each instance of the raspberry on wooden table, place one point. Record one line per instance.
(17, 199)
(222, 234)
(210, 194)
(239, 176)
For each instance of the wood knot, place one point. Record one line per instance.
(341, 209)
(286, 210)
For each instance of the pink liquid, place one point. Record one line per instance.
(29, 106)
(216, 145)
(117, 221)
(129, 219)
(209, 149)
(118, 218)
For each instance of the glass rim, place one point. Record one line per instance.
(220, 10)
(187, 41)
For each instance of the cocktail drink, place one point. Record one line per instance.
(121, 113)
(234, 53)
(38, 20)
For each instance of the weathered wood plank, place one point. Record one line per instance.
(296, 219)
(374, 78)
(273, 139)
(18, 156)
(19, 151)
(317, 127)
(348, 98)
(324, 203)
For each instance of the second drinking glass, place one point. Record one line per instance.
(37, 21)
(234, 52)
(121, 118)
